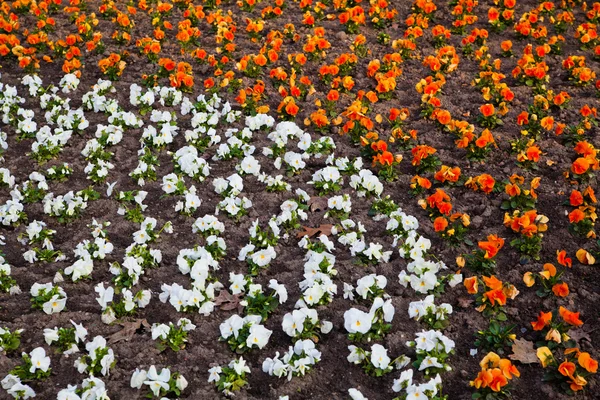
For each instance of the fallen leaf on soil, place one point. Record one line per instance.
(465, 302)
(578, 335)
(550, 163)
(317, 204)
(227, 301)
(524, 352)
(129, 329)
(324, 229)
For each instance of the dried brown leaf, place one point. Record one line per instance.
(227, 301)
(317, 204)
(465, 302)
(524, 352)
(129, 329)
(324, 229)
(578, 335)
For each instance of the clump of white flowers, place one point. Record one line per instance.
(318, 287)
(9, 341)
(146, 167)
(248, 166)
(37, 233)
(91, 388)
(6, 178)
(96, 100)
(47, 297)
(60, 172)
(208, 225)
(366, 183)
(165, 383)
(168, 96)
(261, 250)
(36, 366)
(433, 349)
(187, 161)
(8, 284)
(303, 323)
(230, 378)
(327, 180)
(13, 212)
(139, 255)
(49, 144)
(410, 390)
(167, 129)
(293, 211)
(87, 251)
(232, 186)
(65, 208)
(372, 325)
(132, 205)
(371, 286)
(66, 339)
(274, 183)
(69, 83)
(401, 225)
(298, 360)
(339, 207)
(242, 334)
(369, 255)
(256, 301)
(143, 101)
(17, 389)
(172, 336)
(346, 165)
(422, 275)
(34, 189)
(376, 362)
(234, 207)
(126, 304)
(99, 360)
(436, 317)
(190, 202)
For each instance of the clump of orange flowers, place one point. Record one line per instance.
(571, 371)
(550, 280)
(448, 174)
(501, 16)
(554, 329)
(493, 296)
(531, 70)
(582, 169)
(531, 226)
(484, 258)
(424, 158)
(579, 73)
(288, 109)
(385, 161)
(519, 196)
(182, 78)
(583, 217)
(483, 182)
(446, 60)
(493, 379)
(112, 66)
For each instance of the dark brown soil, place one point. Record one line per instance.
(333, 375)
